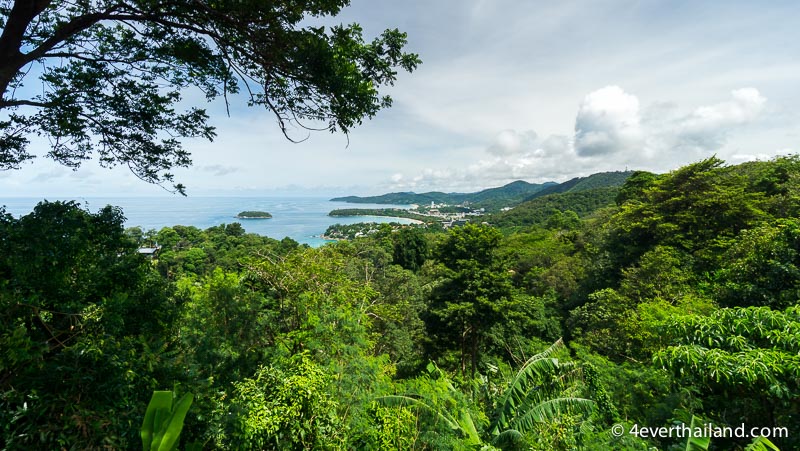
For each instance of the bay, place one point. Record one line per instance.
(302, 219)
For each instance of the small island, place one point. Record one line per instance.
(253, 215)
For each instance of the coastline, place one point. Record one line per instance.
(409, 220)
(394, 220)
(302, 219)
(388, 213)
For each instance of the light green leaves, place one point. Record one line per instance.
(163, 421)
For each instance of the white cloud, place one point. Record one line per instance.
(708, 127)
(608, 122)
(611, 134)
(510, 142)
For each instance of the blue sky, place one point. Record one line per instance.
(508, 90)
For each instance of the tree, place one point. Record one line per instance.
(283, 406)
(697, 209)
(762, 267)
(112, 72)
(77, 304)
(474, 295)
(410, 248)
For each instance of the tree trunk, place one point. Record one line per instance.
(11, 59)
(474, 353)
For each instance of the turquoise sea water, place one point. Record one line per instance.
(303, 219)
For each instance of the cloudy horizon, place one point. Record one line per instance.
(508, 91)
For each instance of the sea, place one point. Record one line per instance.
(303, 219)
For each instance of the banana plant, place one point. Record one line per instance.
(533, 396)
(163, 421)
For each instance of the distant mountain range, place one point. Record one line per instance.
(512, 193)
(496, 198)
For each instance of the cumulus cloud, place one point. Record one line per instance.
(608, 122)
(707, 127)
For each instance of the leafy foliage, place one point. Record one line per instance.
(86, 335)
(763, 267)
(753, 351)
(534, 396)
(283, 408)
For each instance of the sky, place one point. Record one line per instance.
(512, 90)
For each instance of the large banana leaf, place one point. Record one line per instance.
(163, 421)
(534, 395)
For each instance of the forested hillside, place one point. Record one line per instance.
(578, 184)
(668, 298)
(567, 206)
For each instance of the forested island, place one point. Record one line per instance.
(671, 299)
(253, 215)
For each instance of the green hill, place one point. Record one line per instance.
(538, 210)
(599, 180)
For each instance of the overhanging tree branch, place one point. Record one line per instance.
(127, 60)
